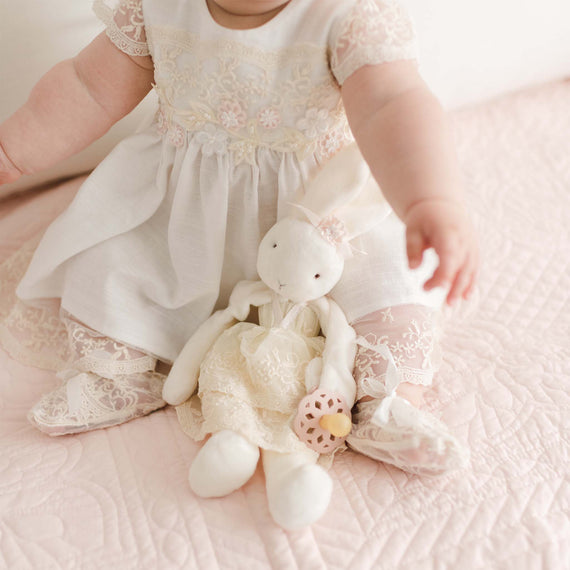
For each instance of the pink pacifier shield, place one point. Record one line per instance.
(310, 411)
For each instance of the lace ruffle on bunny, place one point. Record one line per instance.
(253, 378)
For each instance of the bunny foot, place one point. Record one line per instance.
(298, 493)
(225, 463)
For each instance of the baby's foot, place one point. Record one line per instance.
(409, 438)
(87, 401)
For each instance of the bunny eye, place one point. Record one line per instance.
(274, 245)
(317, 275)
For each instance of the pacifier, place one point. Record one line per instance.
(323, 421)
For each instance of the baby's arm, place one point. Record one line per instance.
(402, 132)
(75, 103)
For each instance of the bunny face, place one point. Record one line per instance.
(296, 262)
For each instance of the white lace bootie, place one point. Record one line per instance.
(390, 429)
(106, 383)
(411, 439)
(87, 401)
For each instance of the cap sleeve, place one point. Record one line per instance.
(125, 24)
(370, 33)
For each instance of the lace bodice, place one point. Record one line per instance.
(275, 86)
(288, 315)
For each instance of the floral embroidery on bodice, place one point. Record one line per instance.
(237, 93)
(237, 97)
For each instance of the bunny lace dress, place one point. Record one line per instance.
(253, 378)
(165, 226)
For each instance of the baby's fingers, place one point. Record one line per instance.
(463, 281)
(415, 247)
(450, 258)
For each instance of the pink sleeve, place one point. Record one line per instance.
(370, 33)
(125, 24)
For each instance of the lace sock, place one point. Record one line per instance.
(396, 358)
(107, 383)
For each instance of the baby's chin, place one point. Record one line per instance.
(250, 7)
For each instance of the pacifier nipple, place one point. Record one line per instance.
(338, 424)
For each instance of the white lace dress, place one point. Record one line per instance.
(162, 230)
(253, 378)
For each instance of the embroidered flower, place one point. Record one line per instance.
(177, 135)
(231, 115)
(269, 117)
(332, 229)
(213, 140)
(315, 122)
(161, 123)
(244, 151)
(331, 143)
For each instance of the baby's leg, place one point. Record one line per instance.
(107, 383)
(394, 366)
(385, 302)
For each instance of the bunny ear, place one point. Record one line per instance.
(365, 211)
(339, 181)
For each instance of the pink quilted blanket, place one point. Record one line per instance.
(119, 498)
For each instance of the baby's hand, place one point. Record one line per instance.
(8, 171)
(445, 226)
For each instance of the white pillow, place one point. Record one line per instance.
(473, 50)
(34, 36)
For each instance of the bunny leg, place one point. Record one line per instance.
(225, 463)
(298, 490)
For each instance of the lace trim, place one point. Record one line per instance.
(94, 352)
(176, 127)
(125, 26)
(409, 333)
(373, 32)
(46, 337)
(35, 336)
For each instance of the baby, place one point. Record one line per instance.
(253, 96)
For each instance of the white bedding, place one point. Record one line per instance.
(119, 498)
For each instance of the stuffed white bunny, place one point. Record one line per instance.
(252, 377)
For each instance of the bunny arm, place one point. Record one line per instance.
(340, 350)
(246, 294)
(183, 377)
